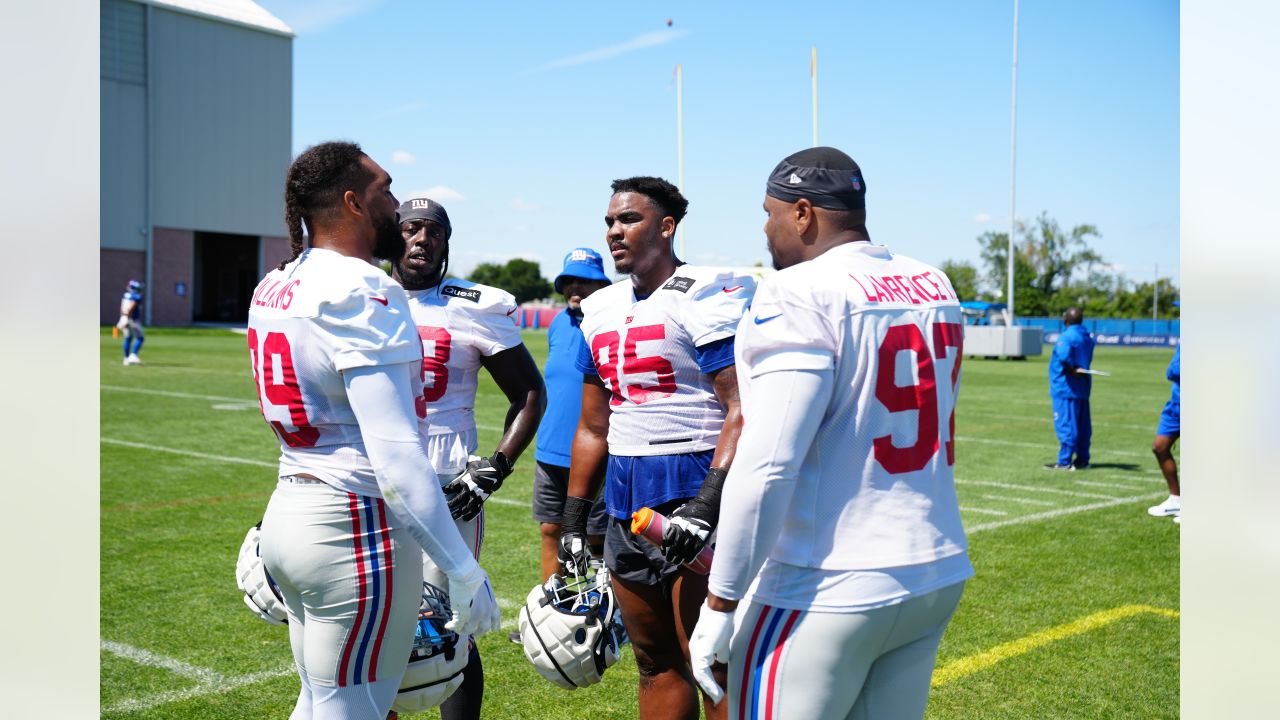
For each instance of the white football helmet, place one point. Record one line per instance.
(571, 629)
(261, 595)
(438, 658)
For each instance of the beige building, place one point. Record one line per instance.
(196, 133)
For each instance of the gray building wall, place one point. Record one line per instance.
(222, 120)
(123, 128)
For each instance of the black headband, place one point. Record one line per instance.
(808, 174)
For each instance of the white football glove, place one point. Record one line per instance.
(710, 643)
(475, 609)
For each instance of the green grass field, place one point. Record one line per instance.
(1073, 612)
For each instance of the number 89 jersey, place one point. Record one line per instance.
(876, 488)
(323, 314)
(646, 351)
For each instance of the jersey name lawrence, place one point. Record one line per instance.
(458, 322)
(653, 354)
(876, 488)
(322, 314)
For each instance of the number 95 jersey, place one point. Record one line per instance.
(322, 314)
(876, 487)
(654, 354)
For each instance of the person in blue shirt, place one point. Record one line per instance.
(1069, 391)
(1167, 433)
(583, 274)
(130, 322)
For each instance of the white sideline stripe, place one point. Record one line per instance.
(1059, 513)
(190, 453)
(170, 393)
(1024, 501)
(507, 603)
(177, 667)
(1049, 419)
(1030, 488)
(1045, 446)
(259, 463)
(132, 705)
(1114, 486)
(982, 511)
(220, 398)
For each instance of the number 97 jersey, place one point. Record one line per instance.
(876, 488)
(654, 355)
(323, 314)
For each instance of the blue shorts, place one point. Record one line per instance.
(648, 481)
(1170, 420)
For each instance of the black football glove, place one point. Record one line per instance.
(481, 479)
(572, 551)
(689, 527)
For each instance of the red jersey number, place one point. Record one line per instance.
(612, 366)
(281, 390)
(920, 396)
(435, 373)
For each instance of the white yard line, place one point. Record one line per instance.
(173, 394)
(1024, 501)
(1059, 513)
(1113, 486)
(150, 659)
(982, 511)
(190, 453)
(1032, 488)
(1046, 446)
(1048, 419)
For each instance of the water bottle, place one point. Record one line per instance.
(651, 525)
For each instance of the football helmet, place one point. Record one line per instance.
(135, 285)
(571, 629)
(261, 594)
(438, 657)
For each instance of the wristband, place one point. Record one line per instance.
(500, 463)
(576, 512)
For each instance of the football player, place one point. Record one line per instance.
(660, 411)
(464, 326)
(338, 367)
(840, 526)
(130, 322)
(1168, 430)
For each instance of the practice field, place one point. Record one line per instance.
(1073, 612)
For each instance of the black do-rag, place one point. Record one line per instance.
(825, 176)
(425, 209)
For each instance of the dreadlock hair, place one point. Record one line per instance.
(314, 186)
(663, 194)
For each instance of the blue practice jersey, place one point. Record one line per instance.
(564, 390)
(136, 298)
(1174, 374)
(1074, 348)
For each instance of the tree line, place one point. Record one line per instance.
(1054, 269)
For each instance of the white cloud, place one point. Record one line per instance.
(403, 157)
(639, 42)
(313, 16)
(442, 194)
(523, 205)
(982, 218)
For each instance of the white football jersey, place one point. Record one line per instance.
(459, 322)
(322, 314)
(876, 489)
(662, 402)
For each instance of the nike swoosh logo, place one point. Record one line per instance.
(375, 298)
(512, 310)
(732, 289)
(761, 321)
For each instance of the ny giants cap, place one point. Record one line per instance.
(583, 263)
(425, 209)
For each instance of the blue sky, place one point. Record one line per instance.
(517, 116)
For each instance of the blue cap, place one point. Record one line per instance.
(135, 285)
(583, 263)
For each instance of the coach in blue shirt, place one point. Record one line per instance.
(1069, 391)
(583, 274)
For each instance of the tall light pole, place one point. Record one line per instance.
(680, 145)
(1013, 157)
(813, 79)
